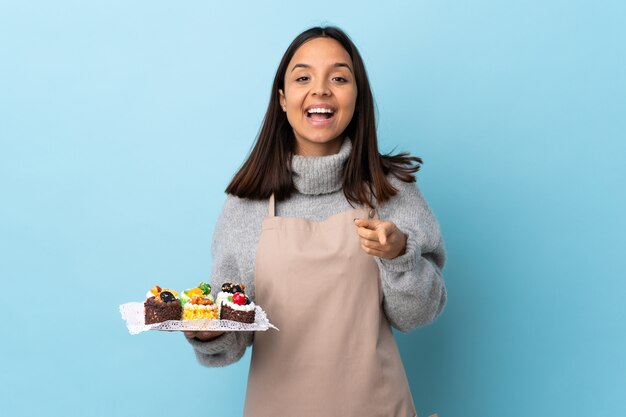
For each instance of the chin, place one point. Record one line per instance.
(323, 139)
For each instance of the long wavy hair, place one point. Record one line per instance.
(267, 169)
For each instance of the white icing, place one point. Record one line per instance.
(245, 307)
(222, 296)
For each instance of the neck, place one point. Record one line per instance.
(320, 174)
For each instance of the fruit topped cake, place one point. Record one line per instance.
(203, 290)
(234, 304)
(198, 303)
(162, 304)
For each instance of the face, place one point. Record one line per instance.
(319, 96)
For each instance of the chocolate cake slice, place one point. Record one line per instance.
(228, 313)
(158, 311)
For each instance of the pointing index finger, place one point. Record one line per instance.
(367, 229)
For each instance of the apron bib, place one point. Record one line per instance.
(335, 354)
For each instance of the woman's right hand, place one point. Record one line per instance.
(203, 336)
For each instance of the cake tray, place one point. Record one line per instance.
(134, 316)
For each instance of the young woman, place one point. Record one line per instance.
(332, 239)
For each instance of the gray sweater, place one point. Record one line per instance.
(413, 289)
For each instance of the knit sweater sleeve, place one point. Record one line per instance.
(414, 292)
(235, 234)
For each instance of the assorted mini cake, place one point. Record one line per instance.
(198, 303)
(162, 304)
(234, 304)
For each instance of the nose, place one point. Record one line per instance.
(320, 88)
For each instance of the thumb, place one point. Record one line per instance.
(382, 234)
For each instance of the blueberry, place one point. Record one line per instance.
(236, 288)
(167, 296)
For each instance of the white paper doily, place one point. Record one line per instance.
(133, 314)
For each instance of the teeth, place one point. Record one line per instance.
(320, 110)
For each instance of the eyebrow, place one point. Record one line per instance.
(335, 65)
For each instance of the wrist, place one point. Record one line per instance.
(405, 261)
(403, 250)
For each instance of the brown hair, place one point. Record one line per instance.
(268, 167)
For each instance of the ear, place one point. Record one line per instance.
(281, 99)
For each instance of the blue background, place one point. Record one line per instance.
(122, 122)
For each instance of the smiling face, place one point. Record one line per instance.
(319, 96)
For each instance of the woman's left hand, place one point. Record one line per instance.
(381, 238)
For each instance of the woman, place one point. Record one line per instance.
(332, 239)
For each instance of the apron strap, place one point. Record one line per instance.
(271, 209)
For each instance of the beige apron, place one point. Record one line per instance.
(335, 355)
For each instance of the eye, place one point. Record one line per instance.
(302, 79)
(340, 80)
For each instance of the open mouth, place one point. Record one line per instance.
(320, 113)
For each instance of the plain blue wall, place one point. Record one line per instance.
(122, 122)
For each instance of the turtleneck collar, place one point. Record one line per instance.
(320, 174)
